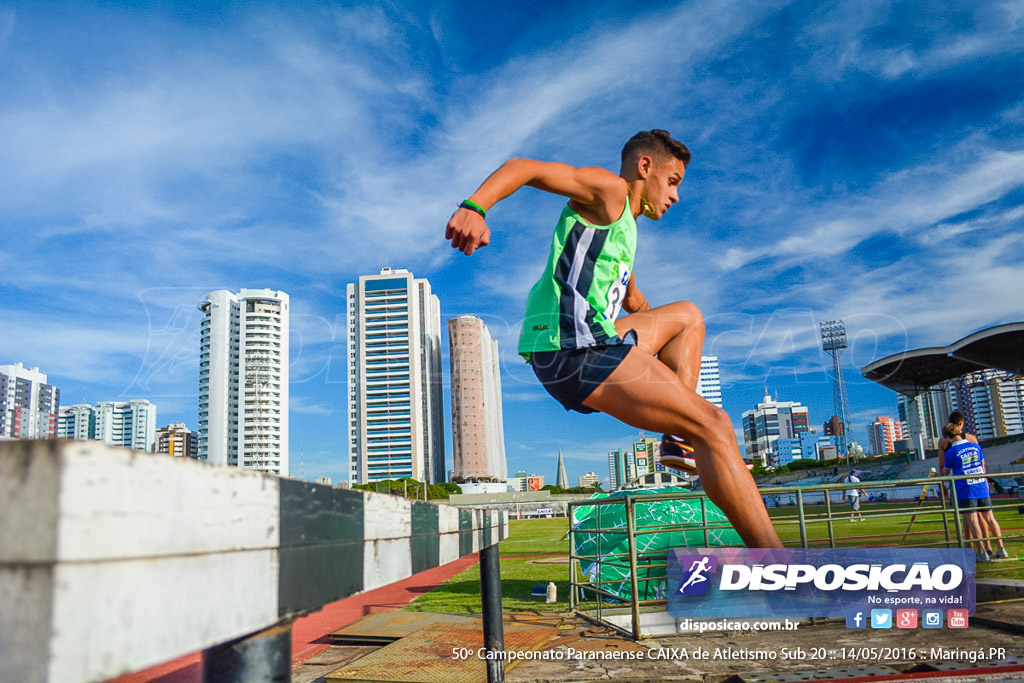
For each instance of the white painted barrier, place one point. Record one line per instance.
(112, 561)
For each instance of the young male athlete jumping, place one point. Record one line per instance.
(642, 368)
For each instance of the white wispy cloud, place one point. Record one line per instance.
(846, 38)
(149, 163)
(303, 404)
(97, 352)
(907, 202)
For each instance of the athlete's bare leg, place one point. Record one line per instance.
(674, 333)
(990, 527)
(970, 520)
(985, 531)
(645, 393)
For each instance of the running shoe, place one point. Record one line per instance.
(1000, 554)
(677, 454)
(983, 557)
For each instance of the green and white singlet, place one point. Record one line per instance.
(576, 300)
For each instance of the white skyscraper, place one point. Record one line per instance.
(709, 382)
(28, 405)
(243, 380)
(394, 379)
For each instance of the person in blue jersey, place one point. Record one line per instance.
(959, 420)
(641, 368)
(964, 457)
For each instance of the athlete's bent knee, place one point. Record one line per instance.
(690, 311)
(717, 430)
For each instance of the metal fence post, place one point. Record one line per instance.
(490, 597)
(945, 509)
(828, 517)
(803, 522)
(573, 573)
(956, 515)
(262, 656)
(599, 562)
(704, 520)
(635, 584)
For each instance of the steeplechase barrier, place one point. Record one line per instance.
(112, 561)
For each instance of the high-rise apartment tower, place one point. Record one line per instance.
(709, 381)
(77, 422)
(178, 440)
(478, 434)
(883, 434)
(394, 379)
(767, 423)
(243, 380)
(28, 405)
(131, 424)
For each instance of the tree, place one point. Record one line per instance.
(411, 488)
(759, 470)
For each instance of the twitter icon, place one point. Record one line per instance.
(881, 618)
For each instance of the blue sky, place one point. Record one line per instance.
(860, 160)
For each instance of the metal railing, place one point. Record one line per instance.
(645, 571)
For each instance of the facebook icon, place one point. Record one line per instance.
(855, 619)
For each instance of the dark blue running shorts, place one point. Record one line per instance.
(975, 504)
(571, 375)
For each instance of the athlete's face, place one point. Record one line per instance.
(661, 189)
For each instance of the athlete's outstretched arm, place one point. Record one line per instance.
(597, 189)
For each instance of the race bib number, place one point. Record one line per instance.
(617, 293)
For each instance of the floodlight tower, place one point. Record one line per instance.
(833, 339)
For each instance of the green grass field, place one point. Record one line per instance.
(461, 594)
(546, 537)
(927, 530)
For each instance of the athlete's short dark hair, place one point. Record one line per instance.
(956, 417)
(657, 143)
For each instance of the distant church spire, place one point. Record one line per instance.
(561, 479)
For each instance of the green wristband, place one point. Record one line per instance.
(473, 206)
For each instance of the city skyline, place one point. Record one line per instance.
(941, 401)
(858, 163)
(131, 424)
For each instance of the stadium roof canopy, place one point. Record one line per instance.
(913, 372)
